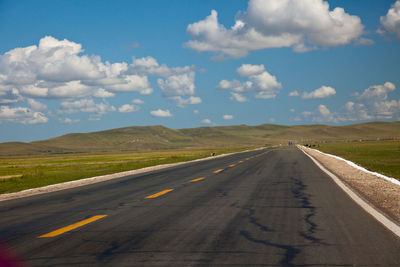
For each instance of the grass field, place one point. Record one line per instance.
(378, 156)
(37, 171)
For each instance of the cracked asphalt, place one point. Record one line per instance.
(271, 207)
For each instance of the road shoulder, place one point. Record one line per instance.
(382, 195)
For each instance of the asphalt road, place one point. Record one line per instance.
(272, 207)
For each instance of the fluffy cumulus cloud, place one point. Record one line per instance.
(390, 23)
(68, 120)
(180, 88)
(227, 117)
(206, 121)
(21, 115)
(265, 85)
(138, 101)
(102, 93)
(58, 70)
(322, 92)
(371, 104)
(161, 113)
(294, 93)
(149, 65)
(86, 105)
(303, 25)
(238, 97)
(128, 108)
(36, 105)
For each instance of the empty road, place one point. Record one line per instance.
(271, 207)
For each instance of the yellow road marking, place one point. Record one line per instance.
(160, 193)
(247, 158)
(217, 171)
(198, 179)
(241, 161)
(72, 226)
(232, 165)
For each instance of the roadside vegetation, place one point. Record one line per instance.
(24, 172)
(378, 156)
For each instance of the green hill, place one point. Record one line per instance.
(160, 137)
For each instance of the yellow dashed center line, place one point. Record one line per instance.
(232, 165)
(160, 193)
(247, 159)
(198, 179)
(218, 171)
(241, 161)
(72, 226)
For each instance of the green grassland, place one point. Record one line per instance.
(39, 171)
(152, 138)
(379, 156)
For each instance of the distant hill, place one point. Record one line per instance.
(160, 137)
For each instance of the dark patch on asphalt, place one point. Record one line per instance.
(108, 252)
(299, 192)
(254, 220)
(290, 251)
(221, 193)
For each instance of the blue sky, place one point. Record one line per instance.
(81, 66)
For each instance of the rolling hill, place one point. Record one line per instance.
(160, 137)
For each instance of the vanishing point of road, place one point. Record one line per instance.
(270, 207)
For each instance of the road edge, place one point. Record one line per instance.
(380, 217)
(102, 178)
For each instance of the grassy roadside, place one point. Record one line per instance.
(39, 171)
(379, 156)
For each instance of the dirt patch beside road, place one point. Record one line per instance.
(382, 194)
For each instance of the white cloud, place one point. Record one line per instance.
(377, 92)
(59, 69)
(292, 110)
(33, 90)
(21, 115)
(196, 111)
(238, 97)
(10, 96)
(250, 70)
(293, 93)
(227, 117)
(68, 120)
(71, 89)
(85, 105)
(138, 101)
(150, 66)
(272, 120)
(303, 25)
(36, 105)
(161, 113)
(206, 121)
(182, 102)
(177, 85)
(128, 108)
(372, 104)
(132, 83)
(322, 92)
(390, 23)
(102, 93)
(262, 83)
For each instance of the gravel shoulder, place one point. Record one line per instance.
(382, 194)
